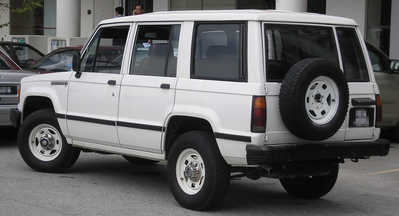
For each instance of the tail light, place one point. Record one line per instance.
(258, 124)
(19, 92)
(378, 109)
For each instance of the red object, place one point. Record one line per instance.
(379, 109)
(258, 114)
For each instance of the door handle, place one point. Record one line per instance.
(112, 82)
(165, 86)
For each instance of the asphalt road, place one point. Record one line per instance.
(109, 185)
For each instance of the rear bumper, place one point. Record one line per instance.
(15, 117)
(5, 111)
(284, 153)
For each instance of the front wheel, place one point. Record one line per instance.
(43, 146)
(198, 175)
(311, 187)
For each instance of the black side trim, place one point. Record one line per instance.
(108, 122)
(91, 120)
(140, 126)
(233, 137)
(363, 102)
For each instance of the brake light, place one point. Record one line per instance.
(378, 109)
(258, 124)
(19, 92)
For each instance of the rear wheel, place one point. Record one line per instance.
(139, 161)
(198, 175)
(311, 187)
(43, 146)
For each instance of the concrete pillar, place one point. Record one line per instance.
(292, 5)
(394, 44)
(4, 20)
(68, 18)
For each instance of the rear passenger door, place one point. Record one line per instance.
(148, 90)
(361, 115)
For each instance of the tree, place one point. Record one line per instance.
(24, 6)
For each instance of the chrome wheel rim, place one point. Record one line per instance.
(322, 100)
(190, 171)
(45, 142)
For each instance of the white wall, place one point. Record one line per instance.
(4, 19)
(100, 10)
(161, 5)
(394, 48)
(355, 9)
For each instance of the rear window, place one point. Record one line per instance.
(352, 55)
(3, 65)
(286, 45)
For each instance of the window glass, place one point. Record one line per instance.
(3, 65)
(156, 50)
(218, 52)
(288, 44)
(377, 60)
(23, 54)
(352, 56)
(61, 61)
(105, 53)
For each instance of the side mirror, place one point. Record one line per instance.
(394, 66)
(76, 66)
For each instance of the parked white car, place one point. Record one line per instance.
(218, 94)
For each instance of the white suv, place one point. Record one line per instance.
(218, 94)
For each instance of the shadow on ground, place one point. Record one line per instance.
(8, 136)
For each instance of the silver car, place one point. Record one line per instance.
(386, 72)
(10, 78)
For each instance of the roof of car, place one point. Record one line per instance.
(235, 15)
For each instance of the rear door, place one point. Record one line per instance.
(361, 113)
(148, 90)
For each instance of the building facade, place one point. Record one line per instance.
(77, 18)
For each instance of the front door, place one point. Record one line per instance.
(93, 96)
(148, 91)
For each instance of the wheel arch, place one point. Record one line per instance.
(178, 124)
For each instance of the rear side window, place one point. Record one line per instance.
(156, 50)
(352, 55)
(286, 45)
(219, 52)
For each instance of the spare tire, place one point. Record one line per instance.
(314, 99)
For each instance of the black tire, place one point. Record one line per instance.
(293, 93)
(395, 134)
(139, 161)
(67, 156)
(217, 172)
(311, 187)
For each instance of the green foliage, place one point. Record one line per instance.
(27, 6)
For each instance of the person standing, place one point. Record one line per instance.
(137, 10)
(119, 11)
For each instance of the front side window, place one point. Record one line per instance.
(156, 50)
(377, 60)
(352, 55)
(218, 52)
(286, 45)
(105, 52)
